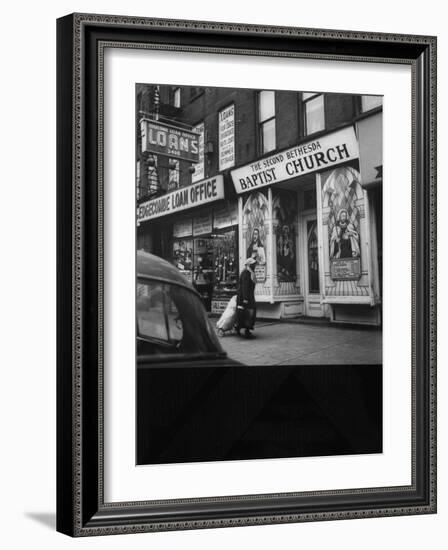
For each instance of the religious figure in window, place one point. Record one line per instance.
(344, 240)
(284, 209)
(286, 263)
(256, 248)
(254, 219)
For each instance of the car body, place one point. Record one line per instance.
(172, 324)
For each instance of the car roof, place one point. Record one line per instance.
(156, 268)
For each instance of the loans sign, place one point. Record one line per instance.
(226, 137)
(163, 139)
(319, 154)
(205, 191)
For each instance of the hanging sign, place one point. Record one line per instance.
(199, 172)
(163, 139)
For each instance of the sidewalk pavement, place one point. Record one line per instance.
(291, 343)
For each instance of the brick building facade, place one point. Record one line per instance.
(301, 177)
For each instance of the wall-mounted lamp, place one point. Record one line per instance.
(209, 148)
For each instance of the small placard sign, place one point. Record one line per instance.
(345, 269)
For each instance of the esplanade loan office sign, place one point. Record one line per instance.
(319, 154)
(203, 192)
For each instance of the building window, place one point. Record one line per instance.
(266, 120)
(369, 102)
(176, 97)
(313, 112)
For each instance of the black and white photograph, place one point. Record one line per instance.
(246, 275)
(259, 231)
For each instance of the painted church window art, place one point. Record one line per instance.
(342, 192)
(285, 214)
(255, 214)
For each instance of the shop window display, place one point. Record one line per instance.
(225, 262)
(183, 257)
(210, 259)
(203, 269)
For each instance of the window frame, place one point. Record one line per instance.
(262, 123)
(304, 101)
(370, 109)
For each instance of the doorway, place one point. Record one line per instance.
(310, 247)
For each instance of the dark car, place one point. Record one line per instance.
(179, 362)
(172, 324)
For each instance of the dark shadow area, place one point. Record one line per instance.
(235, 413)
(47, 519)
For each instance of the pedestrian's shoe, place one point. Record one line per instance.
(248, 334)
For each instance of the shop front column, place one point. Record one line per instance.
(272, 255)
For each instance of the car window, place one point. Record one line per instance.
(172, 319)
(157, 314)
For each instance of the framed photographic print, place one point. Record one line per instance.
(246, 275)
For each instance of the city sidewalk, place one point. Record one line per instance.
(292, 343)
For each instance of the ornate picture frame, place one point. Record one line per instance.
(81, 506)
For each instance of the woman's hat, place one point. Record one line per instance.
(250, 261)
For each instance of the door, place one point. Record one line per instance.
(312, 295)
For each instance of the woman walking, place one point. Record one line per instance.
(246, 299)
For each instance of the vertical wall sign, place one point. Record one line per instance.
(226, 131)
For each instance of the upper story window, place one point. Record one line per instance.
(266, 120)
(313, 112)
(369, 102)
(176, 97)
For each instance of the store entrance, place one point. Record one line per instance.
(310, 257)
(215, 268)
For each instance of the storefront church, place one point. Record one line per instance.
(302, 194)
